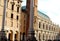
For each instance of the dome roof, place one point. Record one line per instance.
(42, 14)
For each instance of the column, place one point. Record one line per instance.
(36, 33)
(13, 36)
(41, 25)
(45, 36)
(41, 37)
(45, 26)
(7, 36)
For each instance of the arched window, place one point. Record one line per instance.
(46, 27)
(39, 37)
(11, 15)
(43, 25)
(43, 36)
(39, 24)
(17, 9)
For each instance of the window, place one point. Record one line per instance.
(17, 17)
(11, 20)
(39, 24)
(43, 25)
(17, 9)
(15, 37)
(46, 27)
(17, 20)
(49, 27)
(46, 37)
(18, 1)
(23, 36)
(49, 37)
(9, 36)
(52, 28)
(11, 15)
(39, 37)
(12, 7)
(43, 36)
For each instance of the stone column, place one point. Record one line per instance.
(7, 36)
(45, 26)
(41, 25)
(36, 35)
(45, 36)
(13, 36)
(48, 37)
(42, 37)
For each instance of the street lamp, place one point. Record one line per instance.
(2, 32)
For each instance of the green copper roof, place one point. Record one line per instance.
(42, 14)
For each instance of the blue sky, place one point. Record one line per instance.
(50, 8)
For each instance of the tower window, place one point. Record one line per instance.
(39, 24)
(17, 9)
(11, 20)
(12, 7)
(18, 1)
(17, 18)
(11, 15)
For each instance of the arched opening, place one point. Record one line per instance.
(16, 36)
(10, 36)
(39, 37)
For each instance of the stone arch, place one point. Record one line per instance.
(16, 36)
(39, 36)
(11, 35)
